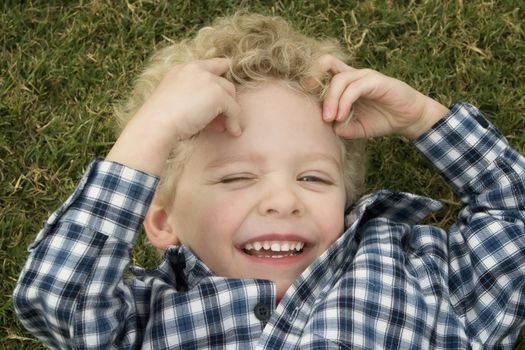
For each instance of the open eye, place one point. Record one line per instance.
(314, 179)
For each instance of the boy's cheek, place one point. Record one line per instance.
(335, 228)
(225, 209)
(330, 218)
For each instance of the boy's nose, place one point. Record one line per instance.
(281, 201)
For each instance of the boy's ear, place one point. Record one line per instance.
(157, 227)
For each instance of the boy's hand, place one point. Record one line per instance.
(189, 97)
(377, 105)
(192, 95)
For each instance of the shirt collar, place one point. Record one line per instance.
(396, 206)
(319, 278)
(401, 207)
(188, 269)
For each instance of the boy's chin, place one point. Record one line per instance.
(281, 290)
(281, 285)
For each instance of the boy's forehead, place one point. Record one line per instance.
(219, 160)
(279, 90)
(275, 106)
(275, 120)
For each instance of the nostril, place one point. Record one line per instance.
(278, 203)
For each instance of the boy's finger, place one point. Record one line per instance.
(218, 124)
(326, 64)
(232, 111)
(329, 63)
(361, 88)
(227, 85)
(217, 66)
(347, 99)
(338, 85)
(352, 130)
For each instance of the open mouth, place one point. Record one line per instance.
(274, 249)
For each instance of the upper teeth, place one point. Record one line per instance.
(275, 246)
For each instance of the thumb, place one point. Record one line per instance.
(218, 124)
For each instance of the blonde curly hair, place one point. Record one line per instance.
(260, 48)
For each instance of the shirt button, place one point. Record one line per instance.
(262, 312)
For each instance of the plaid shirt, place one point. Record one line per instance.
(387, 282)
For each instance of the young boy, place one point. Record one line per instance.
(250, 127)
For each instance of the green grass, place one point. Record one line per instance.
(64, 64)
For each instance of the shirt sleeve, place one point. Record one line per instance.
(79, 258)
(487, 244)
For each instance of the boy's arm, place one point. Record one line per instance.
(486, 247)
(364, 103)
(190, 97)
(72, 280)
(71, 291)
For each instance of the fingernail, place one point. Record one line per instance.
(238, 130)
(327, 114)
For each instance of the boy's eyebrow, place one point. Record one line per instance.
(324, 157)
(221, 161)
(218, 162)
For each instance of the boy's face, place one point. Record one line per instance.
(268, 203)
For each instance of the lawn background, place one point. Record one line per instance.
(64, 64)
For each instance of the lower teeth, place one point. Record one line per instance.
(274, 256)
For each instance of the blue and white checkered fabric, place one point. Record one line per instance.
(387, 282)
